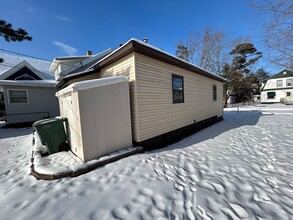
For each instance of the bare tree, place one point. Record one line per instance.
(182, 51)
(208, 49)
(277, 30)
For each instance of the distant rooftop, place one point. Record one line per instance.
(11, 60)
(283, 74)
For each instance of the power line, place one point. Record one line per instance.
(25, 55)
(37, 58)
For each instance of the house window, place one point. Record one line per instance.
(288, 93)
(214, 93)
(279, 83)
(289, 82)
(18, 96)
(178, 89)
(271, 95)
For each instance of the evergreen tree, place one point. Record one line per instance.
(241, 82)
(11, 34)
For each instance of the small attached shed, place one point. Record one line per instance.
(98, 113)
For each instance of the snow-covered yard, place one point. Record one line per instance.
(240, 168)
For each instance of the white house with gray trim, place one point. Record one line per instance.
(278, 88)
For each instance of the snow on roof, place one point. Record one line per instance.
(111, 56)
(33, 83)
(161, 51)
(171, 55)
(86, 63)
(282, 74)
(73, 57)
(88, 70)
(65, 60)
(88, 84)
(11, 60)
(19, 66)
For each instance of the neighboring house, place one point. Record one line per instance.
(278, 88)
(28, 93)
(169, 97)
(29, 100)
(63, 66)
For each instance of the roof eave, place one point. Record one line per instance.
(135, 46)
(67, 78)
(27, 83)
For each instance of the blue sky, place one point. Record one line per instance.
(62, 28)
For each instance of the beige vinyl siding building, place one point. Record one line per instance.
(156, 118)
(157, 113)
(126, 67)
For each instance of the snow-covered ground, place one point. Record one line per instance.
(240, 168)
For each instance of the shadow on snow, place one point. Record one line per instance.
(232, 120)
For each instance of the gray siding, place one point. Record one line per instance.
(42, 103)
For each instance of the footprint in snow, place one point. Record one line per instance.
(168, 178)
(218, 188)
(238, 210)
(261, 197)
(21, 205)
(150, 159)
(146, 192)
(120, 213)
(202, 214)
(159, 173)
(178, 186)
(268, 167)
(272, 181)
(5, 173)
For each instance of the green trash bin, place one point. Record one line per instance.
(52, 134)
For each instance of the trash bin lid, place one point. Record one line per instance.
(48, 120)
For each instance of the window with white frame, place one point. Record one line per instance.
(289, 82)
(18, 96)
(280, 83)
